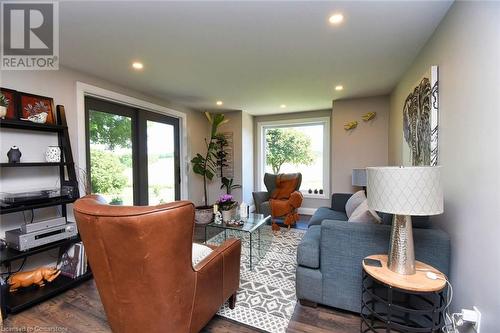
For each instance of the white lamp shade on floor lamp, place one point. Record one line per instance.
(404, 191)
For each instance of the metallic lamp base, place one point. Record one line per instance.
(401, 252)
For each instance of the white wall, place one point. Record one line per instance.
(466, 47)
(364, 146)
(248, 160)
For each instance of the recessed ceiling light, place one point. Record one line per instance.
(137, 65)
(282, 106)
(336, 18)
(219, 103)
(339, 88)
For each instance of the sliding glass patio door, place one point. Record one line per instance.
(132, 154)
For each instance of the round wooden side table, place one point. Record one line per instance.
(391, 302)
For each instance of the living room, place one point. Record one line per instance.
(149, 103)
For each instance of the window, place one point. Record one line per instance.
(132, 154)
(301, 145)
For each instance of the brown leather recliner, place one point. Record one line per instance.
(141, 261)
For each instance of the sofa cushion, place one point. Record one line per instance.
(386, 218)
(354, 201)
(200, 252)
(419, 222)
(325, 213)
(308, 249)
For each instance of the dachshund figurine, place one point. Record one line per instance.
(37, 276)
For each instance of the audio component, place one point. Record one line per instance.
(40, 225)
(18, 240)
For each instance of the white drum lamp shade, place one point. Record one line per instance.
(404, 191)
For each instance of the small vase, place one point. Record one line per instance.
(53, 154)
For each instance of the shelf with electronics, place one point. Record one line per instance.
(23, 298)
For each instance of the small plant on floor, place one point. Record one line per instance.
(228, 184)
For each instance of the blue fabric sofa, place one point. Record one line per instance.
(329, 256)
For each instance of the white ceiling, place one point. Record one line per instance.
(252, 55)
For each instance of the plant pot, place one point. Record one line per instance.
(203, 214)
(228, 215)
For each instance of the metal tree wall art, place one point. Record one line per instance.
(420, 121)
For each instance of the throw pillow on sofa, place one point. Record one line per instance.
(354, 201)
(363, 214)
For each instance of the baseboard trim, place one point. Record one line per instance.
(307, 211)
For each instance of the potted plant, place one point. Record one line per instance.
(4, 104)
(228, 184)
(206, 166)
(228, 207)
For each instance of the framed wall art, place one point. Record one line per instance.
(12, 98)
(421, 121)
(35, 108)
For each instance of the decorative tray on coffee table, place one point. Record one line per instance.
(235, 223)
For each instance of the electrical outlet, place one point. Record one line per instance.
(477, 324)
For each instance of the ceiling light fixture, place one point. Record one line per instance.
(137, 65)
(282, 106)
(339, 88)
(219, 103)
(336, 18)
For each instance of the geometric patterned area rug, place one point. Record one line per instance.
(266, 298)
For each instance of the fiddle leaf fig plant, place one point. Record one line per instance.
(206, 166)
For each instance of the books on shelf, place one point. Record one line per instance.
(73, 262)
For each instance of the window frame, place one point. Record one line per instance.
(261, 144)
(85, 89)
(139, 118)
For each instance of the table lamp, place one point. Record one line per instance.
(359, 177)
(404, 191)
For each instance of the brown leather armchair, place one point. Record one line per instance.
(141, 261)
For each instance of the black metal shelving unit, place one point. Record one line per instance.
(31, 164)
(27, 297)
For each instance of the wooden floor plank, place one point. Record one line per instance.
(80, 311)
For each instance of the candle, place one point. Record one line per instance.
(216, 209)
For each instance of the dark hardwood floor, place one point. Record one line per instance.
(80, 311)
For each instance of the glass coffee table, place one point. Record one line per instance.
(252, 225)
